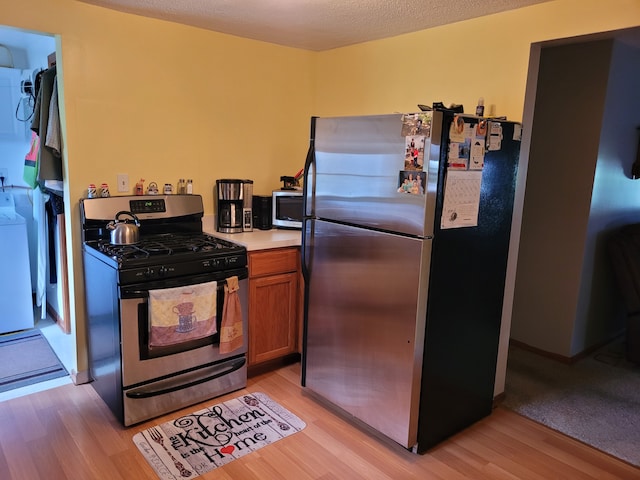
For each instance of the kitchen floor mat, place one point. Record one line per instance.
(201, 441)
(27, 358)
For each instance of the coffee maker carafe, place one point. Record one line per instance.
(235, 198)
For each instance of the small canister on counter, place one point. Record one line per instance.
(140, 187)
(182, 187)
(91, 191)
(104, 190)
(152, 189)
(168, 189)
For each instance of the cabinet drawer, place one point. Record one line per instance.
(270, 262)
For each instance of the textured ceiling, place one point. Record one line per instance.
(314, 24)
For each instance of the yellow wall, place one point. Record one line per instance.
(458, 63)
(162, 101)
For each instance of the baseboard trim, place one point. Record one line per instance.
(58, 319)
(53, 314)
(78, 378)
(562, 358)
(259, 369)
(542, 353)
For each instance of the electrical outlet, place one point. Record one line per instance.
(4, 172)
(123, 183)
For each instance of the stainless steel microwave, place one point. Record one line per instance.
(287, 208)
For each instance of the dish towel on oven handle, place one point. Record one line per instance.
(182, 314)
(231, 335)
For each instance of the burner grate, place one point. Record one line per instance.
(166, 245)
(122, 251)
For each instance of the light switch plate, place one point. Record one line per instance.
(123, 182)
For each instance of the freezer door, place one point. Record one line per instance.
(365, 324)
(359, 168)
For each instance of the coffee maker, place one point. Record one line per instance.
(234, 201)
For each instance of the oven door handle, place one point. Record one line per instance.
(136, 292)
(148, 393)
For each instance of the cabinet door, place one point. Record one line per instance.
(273, 313)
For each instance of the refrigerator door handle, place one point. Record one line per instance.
(308, 189)
(309, 173)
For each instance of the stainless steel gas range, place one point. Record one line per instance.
(136, 375)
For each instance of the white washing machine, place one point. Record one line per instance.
(16, 305)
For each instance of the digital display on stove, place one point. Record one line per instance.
(148, 206)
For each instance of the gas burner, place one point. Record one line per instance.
(166, 245)
(122, 251)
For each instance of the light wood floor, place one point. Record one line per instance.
(68, 433)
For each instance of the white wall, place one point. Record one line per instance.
(574, 196)
(615, 199)
(29, 51)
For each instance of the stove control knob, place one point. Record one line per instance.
(162, 271)
(149, 272)
(217, 263)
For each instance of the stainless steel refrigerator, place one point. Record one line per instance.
(404, 251)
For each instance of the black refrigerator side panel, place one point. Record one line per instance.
(464, 310)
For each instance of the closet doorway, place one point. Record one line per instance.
(24, 55)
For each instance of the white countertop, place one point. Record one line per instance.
(258, 239)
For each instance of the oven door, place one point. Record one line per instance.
(155, 382)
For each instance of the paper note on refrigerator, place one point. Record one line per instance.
(461, 199)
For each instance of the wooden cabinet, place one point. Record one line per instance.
(274, 303)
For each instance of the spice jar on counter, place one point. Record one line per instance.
(140, 187)
(104, 190)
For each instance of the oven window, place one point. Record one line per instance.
(147, 351)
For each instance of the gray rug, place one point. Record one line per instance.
(26, 358)
(595, 400)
